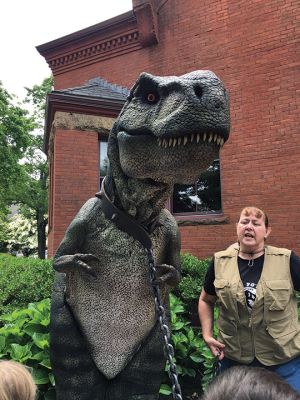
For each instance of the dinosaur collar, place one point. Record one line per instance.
(123, 221)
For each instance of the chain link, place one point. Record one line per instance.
(161, 316)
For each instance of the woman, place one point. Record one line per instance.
(254, 285)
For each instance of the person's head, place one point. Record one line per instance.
(16, 383)
(249, 383)
(252, 229)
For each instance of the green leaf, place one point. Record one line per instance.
(10, 330)
(40, 356)
(189, 372)
(51, 378)
(165, 389)
(46, 363)
(20, 353)
(2, 343)
(191, 334)
(40, 376)
(32, 328)
(41, 340)
(196, 357)
(177, 326)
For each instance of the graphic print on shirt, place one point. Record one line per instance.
(250, 294)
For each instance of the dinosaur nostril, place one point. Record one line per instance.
(218, 104)
(198, 91)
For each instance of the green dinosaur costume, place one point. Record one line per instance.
(105, 341)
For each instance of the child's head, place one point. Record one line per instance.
(16, 383)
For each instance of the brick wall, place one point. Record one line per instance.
(251, 45)
(75, 168)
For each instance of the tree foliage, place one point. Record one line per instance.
(23, 164)
(32, 193)
(15, 128)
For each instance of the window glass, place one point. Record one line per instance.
(204, 196)
(103, 163)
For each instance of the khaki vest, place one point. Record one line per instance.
(271, 333)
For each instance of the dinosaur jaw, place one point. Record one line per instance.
(178, 159)
(196, 138)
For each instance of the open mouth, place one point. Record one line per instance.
(180, 158)
(196, 138)
(249, 235)
(178, 140)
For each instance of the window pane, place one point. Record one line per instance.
(103, 158)
(202, 197)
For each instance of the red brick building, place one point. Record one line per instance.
(253, 46)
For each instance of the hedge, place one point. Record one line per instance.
(23, 280)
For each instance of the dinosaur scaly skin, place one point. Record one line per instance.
(105, 342)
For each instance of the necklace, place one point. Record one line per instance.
(251, 254)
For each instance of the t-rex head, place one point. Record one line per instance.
(170, 129)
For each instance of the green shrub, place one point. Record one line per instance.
(193, 358)
(23, 280)
(193, 274)
(24, 337)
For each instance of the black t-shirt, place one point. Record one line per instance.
(250, 276)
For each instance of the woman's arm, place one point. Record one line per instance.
(206, 315)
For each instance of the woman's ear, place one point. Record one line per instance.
(269, 229)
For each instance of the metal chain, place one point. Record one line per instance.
(161, 316)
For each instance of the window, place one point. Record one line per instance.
(103, 160)
(203, 197)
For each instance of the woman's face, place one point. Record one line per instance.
(251, 231)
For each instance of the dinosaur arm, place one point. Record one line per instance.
(69, 256)
(170, 271)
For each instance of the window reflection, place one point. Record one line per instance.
(204, 196)
(103, 163)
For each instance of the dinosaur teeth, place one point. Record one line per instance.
(177, 141)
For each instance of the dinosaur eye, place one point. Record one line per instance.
(152, 98)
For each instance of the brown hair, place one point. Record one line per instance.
(16, 383)
(257, 212)
(249, 383)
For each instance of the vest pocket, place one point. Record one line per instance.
(283, 335)
(228, 335)
(282, 330)
(221, 286)
(226, 299)
(277, 295)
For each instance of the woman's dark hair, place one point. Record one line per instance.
(249, 383)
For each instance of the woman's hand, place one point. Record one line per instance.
(216, 347)
(206, 315)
